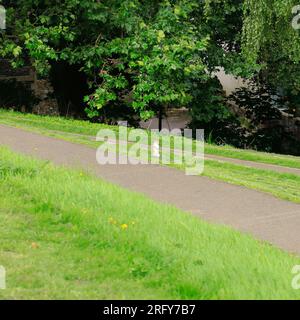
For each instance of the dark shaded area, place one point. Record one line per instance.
(259, 120)
(17, 95)
(70, 86)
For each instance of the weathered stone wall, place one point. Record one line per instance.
(21, 74)
(44, 92)
(41, 88)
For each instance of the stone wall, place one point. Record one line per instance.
(41, 88)
(47, 103)
(21, 74)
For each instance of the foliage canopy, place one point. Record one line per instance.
(140, 54)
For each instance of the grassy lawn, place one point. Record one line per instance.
(281, 185)
(64, 235)
(251, 155)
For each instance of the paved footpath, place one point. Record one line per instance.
(262, 215)
(245, 163)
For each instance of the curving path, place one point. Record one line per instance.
(262, 215)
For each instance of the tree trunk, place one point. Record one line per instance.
(160, 119)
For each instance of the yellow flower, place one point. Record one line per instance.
(124, 226)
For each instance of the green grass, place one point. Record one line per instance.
(284, 186)
(51, 123)
(251, 155)
(63, 125)
(281, 185)
(67, 235)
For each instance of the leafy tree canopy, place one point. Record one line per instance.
(143, 54)
(271, 44)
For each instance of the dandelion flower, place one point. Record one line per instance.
(124, 226)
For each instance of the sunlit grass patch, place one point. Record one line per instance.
(65, 235)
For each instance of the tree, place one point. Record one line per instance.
(272, 46)
(143, 55)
